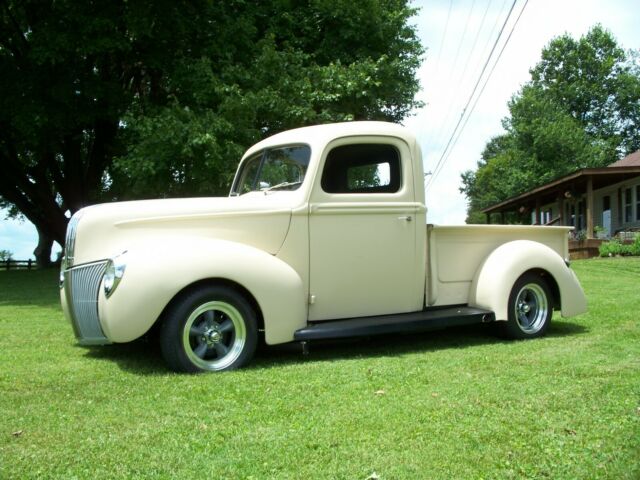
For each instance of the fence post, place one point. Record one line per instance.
(29, 265)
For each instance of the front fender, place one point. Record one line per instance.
(156, 273)
(496, 276)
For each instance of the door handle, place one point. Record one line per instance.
(406, 218)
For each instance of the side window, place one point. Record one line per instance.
(362, 168)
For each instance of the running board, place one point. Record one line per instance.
(432, 319)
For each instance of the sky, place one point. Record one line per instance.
(453, 63)
(458, 36)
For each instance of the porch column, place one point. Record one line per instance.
(538, 213)
(589, 213)
(561, 209)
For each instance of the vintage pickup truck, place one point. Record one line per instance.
(323, 235)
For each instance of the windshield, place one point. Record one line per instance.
(280, 168)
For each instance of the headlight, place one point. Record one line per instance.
(114, 273)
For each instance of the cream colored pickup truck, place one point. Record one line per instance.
(323, 235)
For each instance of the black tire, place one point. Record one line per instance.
(530, 308)
(210, 328)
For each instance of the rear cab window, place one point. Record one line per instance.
(362, 168)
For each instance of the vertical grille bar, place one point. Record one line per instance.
(81, 288)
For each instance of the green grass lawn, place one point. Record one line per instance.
(458, 403)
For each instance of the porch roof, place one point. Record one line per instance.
(574, 183)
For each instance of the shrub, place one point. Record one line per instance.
(635, 246)
(615, 247)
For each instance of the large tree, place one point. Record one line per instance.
(580, 109)
(128, 99)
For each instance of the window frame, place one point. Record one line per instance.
(263, 157)
(396, 174)
(628, 205)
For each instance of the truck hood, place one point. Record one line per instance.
(256, 219)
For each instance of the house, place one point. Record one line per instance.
(597, 202)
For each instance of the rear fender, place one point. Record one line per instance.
(498, 273)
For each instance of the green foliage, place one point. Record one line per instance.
(458, 403)
(5, 255)
(119, 100)
(580, 109)
(635, 246)
(315, 63)
(615, 247)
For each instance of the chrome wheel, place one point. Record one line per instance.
(214, 335)
(531, 308)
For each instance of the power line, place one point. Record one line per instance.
(435, 173)
(444, 34)
(490, 36)
(473, 107)
(461, 78)
(455, 63)
(455, 130)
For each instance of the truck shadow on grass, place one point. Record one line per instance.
(395, 344)
(143, 356)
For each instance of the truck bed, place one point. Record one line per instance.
(454, 254)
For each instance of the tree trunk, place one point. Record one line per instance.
(43, 250)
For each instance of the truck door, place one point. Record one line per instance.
(362, 231)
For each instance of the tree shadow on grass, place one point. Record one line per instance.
(36, 288)
(143, 356)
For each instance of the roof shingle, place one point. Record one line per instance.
(631, 160)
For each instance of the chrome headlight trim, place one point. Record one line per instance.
(114, 273)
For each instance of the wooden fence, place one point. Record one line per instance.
(12, 264)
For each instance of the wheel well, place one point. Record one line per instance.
(219, 281)
(551, 283)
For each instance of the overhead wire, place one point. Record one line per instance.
(445, 122)
(453, 68)
(437, 168)
(444, 35)
(489, 37)
(486, 81)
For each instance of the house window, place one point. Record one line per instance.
(619, 205)
(581, 222)
(627, 205)
(572, 214)
(637, 202)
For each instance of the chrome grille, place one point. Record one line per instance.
(81, 290)
(70, 238)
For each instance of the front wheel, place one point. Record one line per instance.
(530, 308)
(211, 328)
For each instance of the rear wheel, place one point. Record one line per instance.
(211, 328)
(530, 308)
